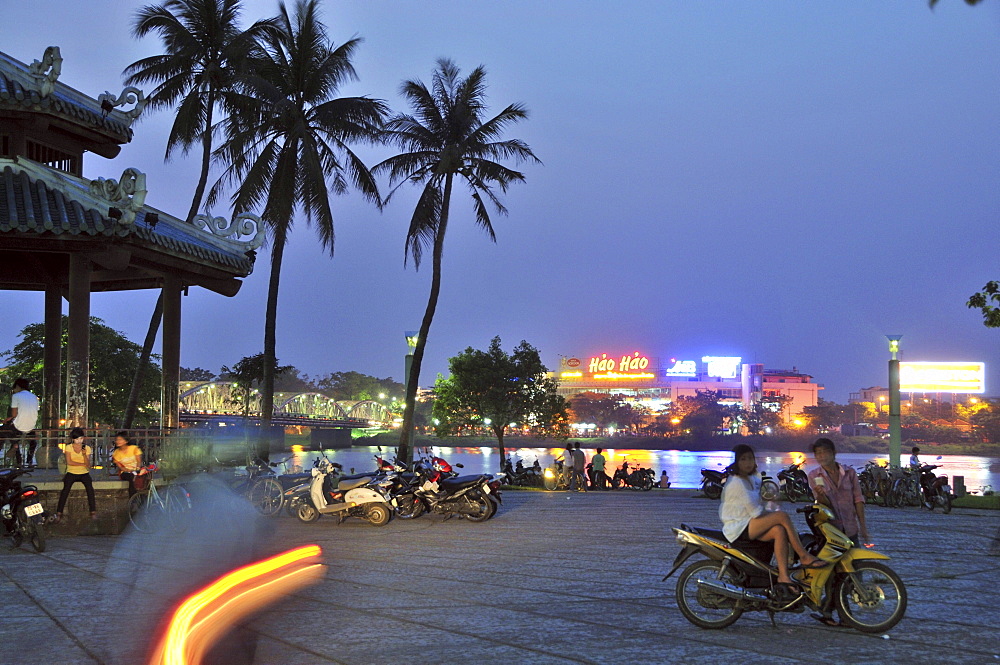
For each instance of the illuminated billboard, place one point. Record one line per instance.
(935, 377)
(723, 367)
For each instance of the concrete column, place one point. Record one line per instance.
(171, 353)
(52, 377)
(78, 344)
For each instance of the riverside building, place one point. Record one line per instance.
(655, 382)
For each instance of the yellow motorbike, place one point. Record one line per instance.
(738, 578)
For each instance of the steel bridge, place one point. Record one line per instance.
(202, 401)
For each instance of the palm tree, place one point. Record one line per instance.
(204, 50)
(446, 137)
(288, 143)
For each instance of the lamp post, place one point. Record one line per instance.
(411, 344)
(895, 430)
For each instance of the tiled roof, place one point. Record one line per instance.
(40, 200)
(63, 101)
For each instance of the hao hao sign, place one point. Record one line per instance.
(627, 363)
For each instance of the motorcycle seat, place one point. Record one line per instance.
(460, 482)
(350, 483)
(758, 549)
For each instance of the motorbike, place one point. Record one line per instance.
(795, 483)
(712, 482)
(937, 492)
(521, 476)
(637, 479)
(330, 494)
(21, 510)
(435, 488)
(554, 477)
(734, 578)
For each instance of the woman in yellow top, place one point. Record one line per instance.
(77, 470)
(128, 458)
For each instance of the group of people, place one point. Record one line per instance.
(745, 518)
(20, 426)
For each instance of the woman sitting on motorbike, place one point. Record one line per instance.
(743, 516)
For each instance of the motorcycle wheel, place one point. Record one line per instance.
(713, 491)
(307, 512)
(616, 483)
(551, 483)
(878, 604)
(409, 506)
(292, 507)
(33, 533)
(791, 493)
(378, 514)
(702, 606)
(483, 509)
(496, 506)
(266, 495)
(943, 499)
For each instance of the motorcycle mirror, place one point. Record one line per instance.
(460, 465)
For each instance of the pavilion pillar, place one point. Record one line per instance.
(52, 357)
(171, 353)
(78, 344)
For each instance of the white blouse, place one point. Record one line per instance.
(740, 504)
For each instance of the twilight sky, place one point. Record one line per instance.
(785, 181)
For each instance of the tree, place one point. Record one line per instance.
(205, 49)
(764, 414)
(247, 377)
(494, 390)
(196, 374)
(444, 139)
(287, 134)
(113, 361)
(704, 415)
(982, 299)
(358, 386)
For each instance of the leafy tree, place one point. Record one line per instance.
(248, 379)
(765, 413)
(288, 142)
(205, 48)
(605, 411)
(444, 139)
(196, 374)
(113, 361)
(704, 415)
(492, 389)
(982, 300)
(357, 386)
(986, 422)
(826, 415)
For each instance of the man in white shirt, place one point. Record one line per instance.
(22, 420)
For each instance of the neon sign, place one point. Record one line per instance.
(616, 375)
(627, 363)
(958, 377)
(723, 367)
(683, 368)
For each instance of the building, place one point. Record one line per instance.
(655, 382)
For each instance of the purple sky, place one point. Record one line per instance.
(786, 182)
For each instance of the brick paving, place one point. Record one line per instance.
(553, 578)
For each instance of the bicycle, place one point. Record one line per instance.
(260, 487)
(149, 511)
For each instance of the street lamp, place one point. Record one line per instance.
(895, 429)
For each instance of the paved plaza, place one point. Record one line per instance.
(553, 578)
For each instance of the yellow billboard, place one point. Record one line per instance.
(934, 377)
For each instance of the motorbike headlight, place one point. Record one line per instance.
(549, 473)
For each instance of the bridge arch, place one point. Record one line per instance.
(367, 409)
(308, 404)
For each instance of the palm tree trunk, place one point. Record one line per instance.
(499, 431)
(405, 445)
(270, 324)
(206, 158)
(140, 371)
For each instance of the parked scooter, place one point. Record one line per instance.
(436, 489)
(937, 492)
(330, 494)
(712, 482)
(21, 510)
(714, 592)
(795, 483)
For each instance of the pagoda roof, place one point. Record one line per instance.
(35, 89)
(42, 209)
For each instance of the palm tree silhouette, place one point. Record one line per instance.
(444, 138)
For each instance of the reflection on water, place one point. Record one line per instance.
(683, 466)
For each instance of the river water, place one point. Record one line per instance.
(682, 466)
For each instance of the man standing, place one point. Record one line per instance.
(837, 487)
(597, 463)
(579, 462)
(22, 421)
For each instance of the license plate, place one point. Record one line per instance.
(33, 509)
(486, 488)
